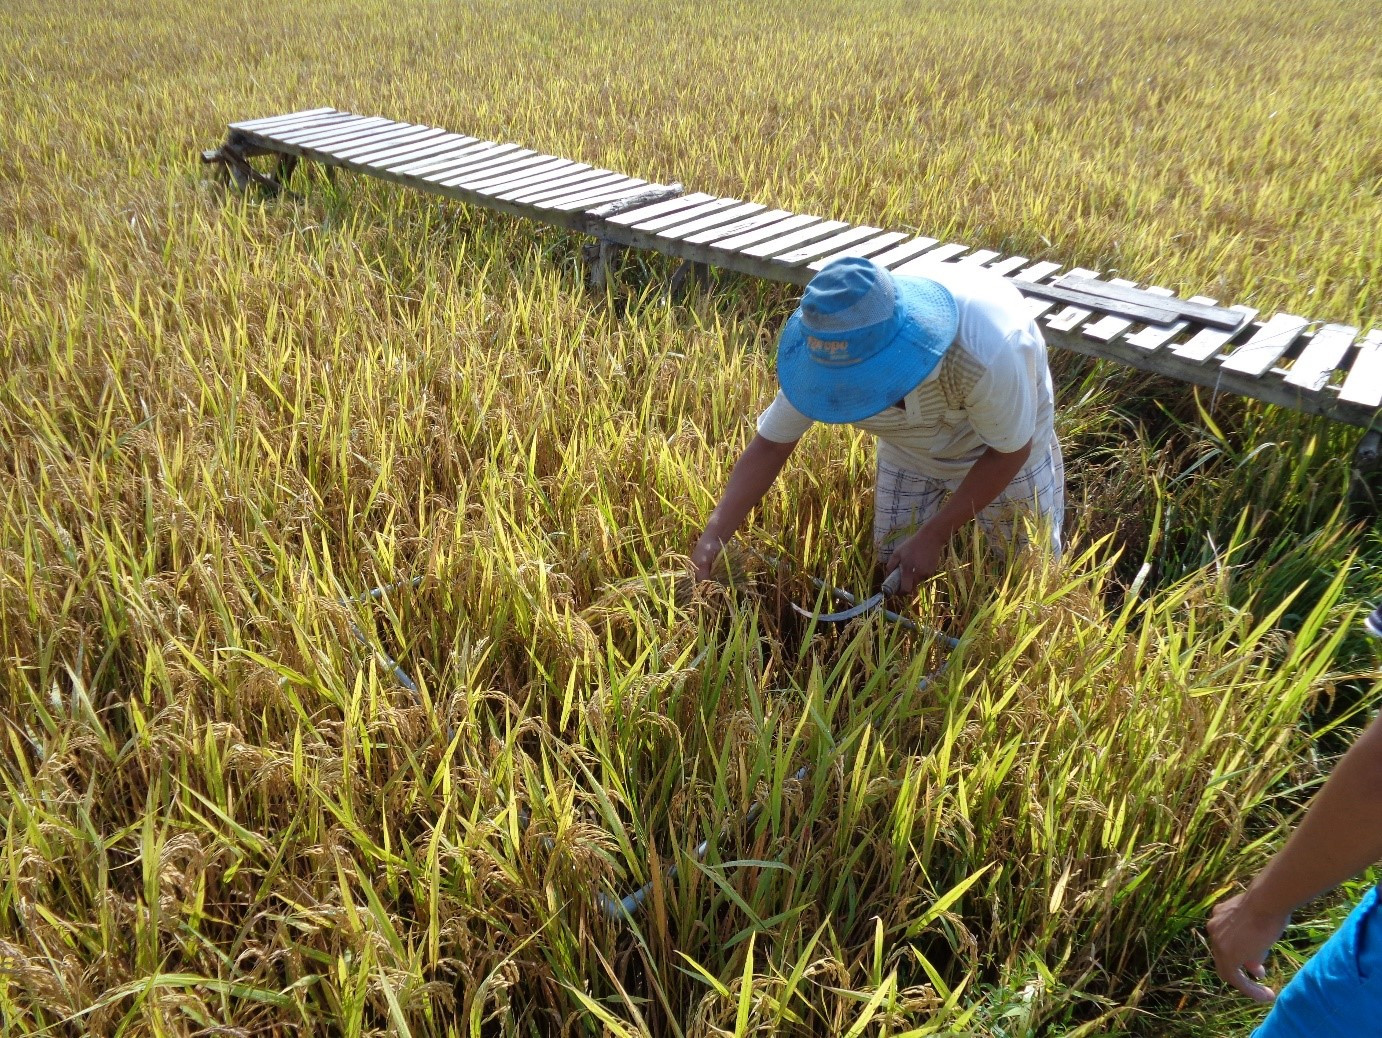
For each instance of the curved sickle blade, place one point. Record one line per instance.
(890, 586)
(873, 602)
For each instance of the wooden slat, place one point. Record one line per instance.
(1005, 267)
(564, 201)
(826, 246)
(706, 223)
(267, 121)
(731, 230)
(500, 179)
(1079, 300)
(1321, 355)
(483, 166)
(283, 123)
(472, 162)
(1033, 274)
(337, 148)
(1261, 351)
(425, 164)
(318, 139)
(485, 169)
(939, 254)
(1154, 336)
(361, 154)
(533, 177)
(326, 124)
(1070, 318)
(1127, 291)
(491, 159)
(440, 164)
(558, 198)
(1105, 328)
(771, 247)
(588, 200)
(597, 216)
(291, 123)
(591, 181)
(1364, 382)
(454, 144)
(377, 156)
(740, 242)
(685, 217)
(631, 193)
(663, 208)
(869, 247)
(323, 145)
(564, 185)
(1208, 341)
(978, 257)
(488, 167)
(904, 252)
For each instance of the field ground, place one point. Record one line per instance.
(221, 419)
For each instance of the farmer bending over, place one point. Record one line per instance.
(949, 372)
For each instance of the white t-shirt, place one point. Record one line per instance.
(992, 388)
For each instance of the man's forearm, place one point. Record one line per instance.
(988, 477)
(1340, 835)
(750, 479)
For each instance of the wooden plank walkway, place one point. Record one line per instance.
(1306, 365)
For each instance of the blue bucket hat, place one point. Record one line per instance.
(862, 339)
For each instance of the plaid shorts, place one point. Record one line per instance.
(1034, 502)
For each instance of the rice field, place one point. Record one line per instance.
(243, 795)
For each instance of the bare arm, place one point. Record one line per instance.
(750, 479)
(1340, 835)
(919, 556)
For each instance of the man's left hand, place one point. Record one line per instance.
(918, 557)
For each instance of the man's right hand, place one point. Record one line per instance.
(753, 474)
(1239, 938)
(705, 554)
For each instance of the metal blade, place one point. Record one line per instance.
(890, 586)
(872, 602)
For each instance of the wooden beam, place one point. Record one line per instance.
(1128, 292)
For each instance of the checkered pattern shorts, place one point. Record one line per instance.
(1033, 503)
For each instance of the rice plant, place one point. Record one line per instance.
(242, 794)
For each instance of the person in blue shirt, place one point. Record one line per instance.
(1338, 992)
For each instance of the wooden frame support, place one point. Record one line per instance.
(599, 254)
(688, 271)
(234, 156)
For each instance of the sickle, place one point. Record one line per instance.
(890, 586)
